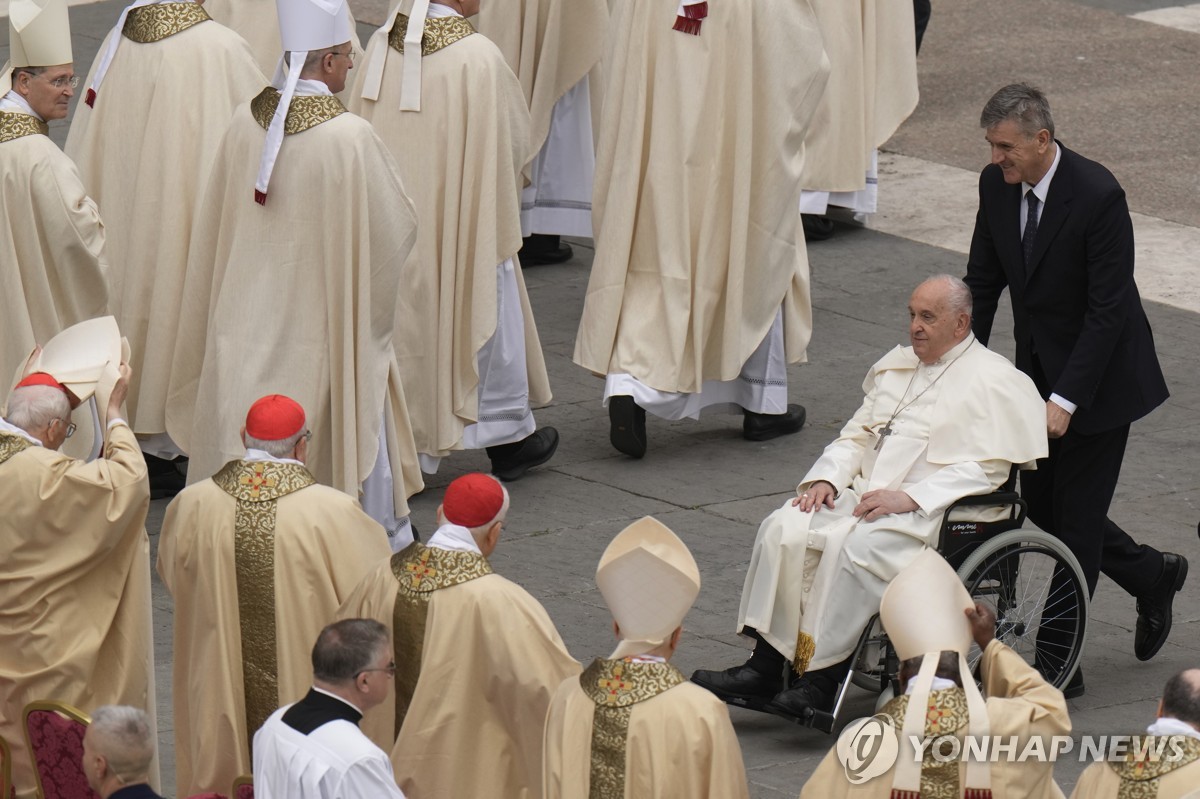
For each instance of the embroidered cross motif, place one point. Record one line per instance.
(420, 569)
(935, 717)
(257, 479)
(617, 684)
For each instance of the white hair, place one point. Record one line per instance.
(34, 407)
(958, 294)
(501, 515)
(280, 448)
(122, 735)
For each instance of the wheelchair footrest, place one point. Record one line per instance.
(818, 720)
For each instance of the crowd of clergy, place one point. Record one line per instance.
(283, 301)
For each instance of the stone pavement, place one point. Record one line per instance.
(1124, 93)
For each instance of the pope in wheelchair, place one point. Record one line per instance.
(943, 419)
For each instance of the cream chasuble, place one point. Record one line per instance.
(872, 89)
(51, 242)
(1171, 776)
(258, 559)
(1020, 705)
(961, 423)
(75, 598)
(493, 659)
(698, 241)
(550, 45)
(144, 152)
(632, 730)
(460, 157)
(257, 21)
(298, 296)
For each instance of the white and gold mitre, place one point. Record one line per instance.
(306, 25)
(39, 33)
(649, 581)
(923, 609)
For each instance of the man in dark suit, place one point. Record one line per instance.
(1054, 228)
(118, 750)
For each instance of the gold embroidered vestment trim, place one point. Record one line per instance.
(1140, 771)
(420, 571)
(306, 111)
(947, 713)
(615, 686)
(16, 126)
(149, 24)
(439, 32)
(256, 487)
(10, 445)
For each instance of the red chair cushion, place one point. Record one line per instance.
(244, 792)
(57, 748)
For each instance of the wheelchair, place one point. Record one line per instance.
(1030, 578)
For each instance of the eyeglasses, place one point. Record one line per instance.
(389, 668)
(70, 426)
(62, 82)
(307, 435)
(349, 55)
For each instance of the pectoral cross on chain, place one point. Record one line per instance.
(883, 434)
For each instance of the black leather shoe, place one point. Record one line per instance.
(1074, 687)
(816, 227)
(797, 702)
(167, 477)
(627, 426)
(765, 426)
(740, 685)
(534, 450)
(540, 249)
(1154, 608)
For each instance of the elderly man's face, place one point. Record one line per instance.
(934, 328)
(343, 62)
(1021, 158)
(93, 762)
(49, 94)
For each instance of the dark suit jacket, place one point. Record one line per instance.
(139, 791)
(1077, 306)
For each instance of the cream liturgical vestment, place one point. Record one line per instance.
(298, 296)
(1021, 706)
(258, 560)
(460, 156)
(144, 148)
(51, 242)
(630, 729)
(1165, 764)
(478, 660)
(698, 242)
(75, 597)
(953, 428)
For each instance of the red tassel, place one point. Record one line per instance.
(978, 793)
(91, 98)
(688, 26)
(260, 197)
(899, 794)
(697, 11)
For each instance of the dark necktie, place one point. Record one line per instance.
(1031, 223)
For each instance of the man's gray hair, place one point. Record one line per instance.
(1022, 103)
(347, 647)
(122, 735)
(314, 57)
(958, 294)
(34, 407)
(501, 515)
(281, 448)
(35, 71)
(1181, 697)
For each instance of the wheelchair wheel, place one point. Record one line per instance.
(1035, 585)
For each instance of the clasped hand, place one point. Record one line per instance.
(873, 504)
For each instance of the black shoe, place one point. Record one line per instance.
(816, 227)
(740, 685)
(511, 461)
(1074, 687)
(627, 426)
(1154, 608)
(765, 426)
(540, 249)
(797, 702)
(167, 478)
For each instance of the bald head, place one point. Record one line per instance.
(117, 748)
(1181, 697)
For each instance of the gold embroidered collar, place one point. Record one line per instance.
(14, 125)
(306, 111)
(621, 683)
(947, 713)
(10, 444)
(149, 24)
(439, 32)
(1143, 765)
(262, 481)
(422, 570)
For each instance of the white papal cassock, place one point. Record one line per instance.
(816, 578)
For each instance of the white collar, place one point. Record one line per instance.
(259, 455)
(438, 10)
(15, 102)
(310, 88)
(939, 684)
(1169, 726)
(16, 431)
(1043, 186)
(340, 699)
(454, 538)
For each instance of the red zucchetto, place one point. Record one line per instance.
(42, 379)
(473, 500)
(274, 418)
